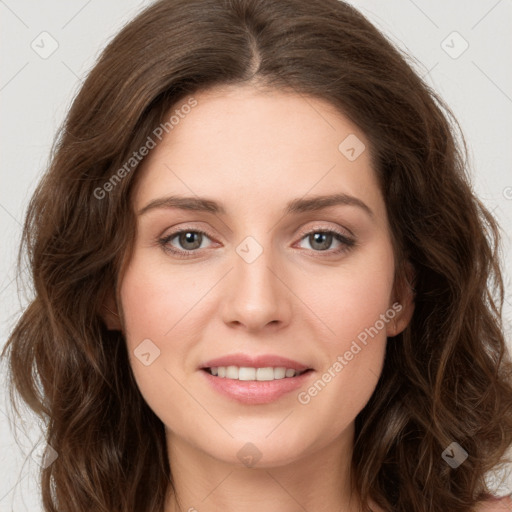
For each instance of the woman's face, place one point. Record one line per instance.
(254, 282)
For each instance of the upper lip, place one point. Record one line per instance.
(251, 361)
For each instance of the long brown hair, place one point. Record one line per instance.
(446, 378)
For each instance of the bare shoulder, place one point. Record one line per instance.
(499, 505)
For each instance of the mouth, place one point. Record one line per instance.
(248, 373)
(255, 380)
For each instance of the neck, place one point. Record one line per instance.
(319, 480)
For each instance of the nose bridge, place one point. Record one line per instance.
(256, 295)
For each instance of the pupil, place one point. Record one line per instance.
(317, 237)
(187, 238)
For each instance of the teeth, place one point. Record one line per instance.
(280, 373)
(265, 374)
(247, 373)
(232, 372)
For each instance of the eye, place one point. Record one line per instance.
(320, 240)
(191, 240)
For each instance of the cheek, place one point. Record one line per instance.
(357, 310)
(156, 299)
(157, 304)
(353, 297)
(162, 321)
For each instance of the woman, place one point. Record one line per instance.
(262, 280)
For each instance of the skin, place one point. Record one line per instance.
(254, 151)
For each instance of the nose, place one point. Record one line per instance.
(256, 293)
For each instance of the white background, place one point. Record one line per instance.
(36, 92)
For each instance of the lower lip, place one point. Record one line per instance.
(254, 392)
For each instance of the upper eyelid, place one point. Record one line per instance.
(317, 225)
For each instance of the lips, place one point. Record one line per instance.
(255, 380)
(262, 361)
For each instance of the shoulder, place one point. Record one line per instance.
(498, 505)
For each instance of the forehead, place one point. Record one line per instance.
(258, 147)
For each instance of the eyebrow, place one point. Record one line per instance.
(295, 206)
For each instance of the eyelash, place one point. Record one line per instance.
(347, 243)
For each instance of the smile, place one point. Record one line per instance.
(246, 373)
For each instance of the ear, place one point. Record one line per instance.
(110, 314)
(403, 302)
